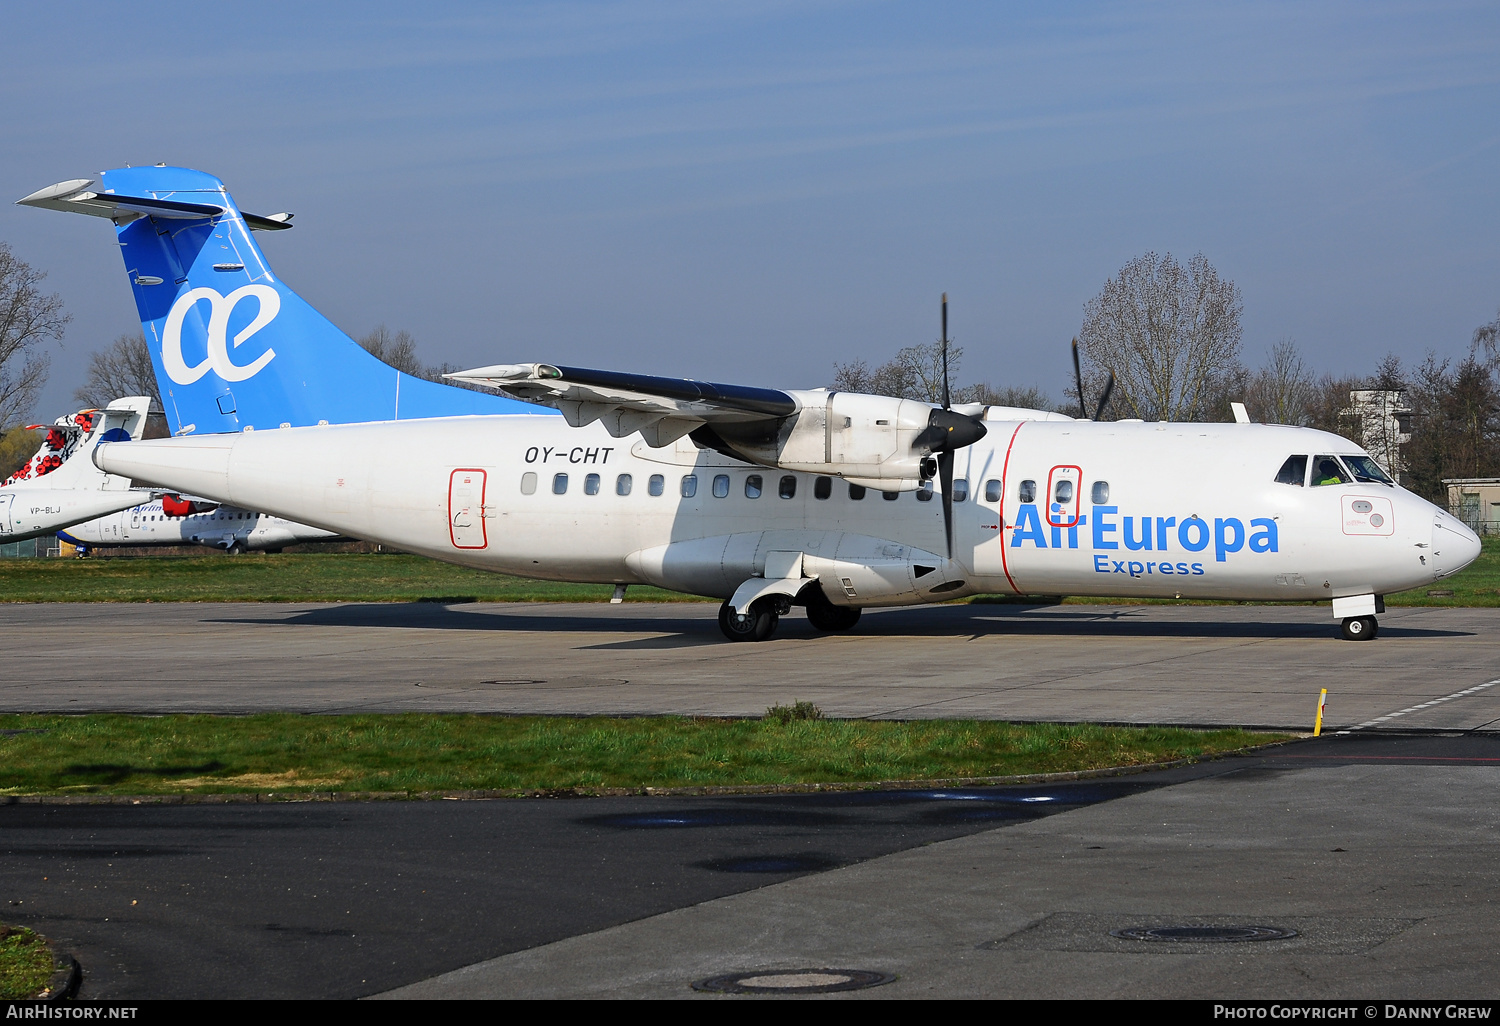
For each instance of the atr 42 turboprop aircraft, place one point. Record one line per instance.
(60, 485)
(184, 520)
(763, 497)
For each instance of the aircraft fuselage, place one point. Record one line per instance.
(1189, 510)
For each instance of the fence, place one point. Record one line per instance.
(30, 548)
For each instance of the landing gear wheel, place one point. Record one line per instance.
(1359, 628)
(757, 624)
(825, 616)
(235, 548)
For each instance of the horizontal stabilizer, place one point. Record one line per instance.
(75, 197)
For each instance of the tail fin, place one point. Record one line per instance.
(66, 457)
(234, 348)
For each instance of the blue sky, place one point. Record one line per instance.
(751, 193)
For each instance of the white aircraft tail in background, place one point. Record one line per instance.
(60, 485)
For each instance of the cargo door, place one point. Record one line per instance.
(466, 509)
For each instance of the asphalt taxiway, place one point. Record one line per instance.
(1379, 855)
(1247, 665)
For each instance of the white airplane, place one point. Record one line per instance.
(180, 520)
(762, 497)
(60, 485)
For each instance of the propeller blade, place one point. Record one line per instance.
(1078, 377)
(947, 405)
(945, 475)
(1109, 386)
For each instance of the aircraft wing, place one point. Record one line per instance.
(661, 409)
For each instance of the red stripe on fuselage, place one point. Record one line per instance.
(1005, 487)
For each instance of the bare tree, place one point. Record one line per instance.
(1171, 335)
(27, 320)
(1282, 391)
(398, 349)
(1486, 342)
(1028, 398)
(915, 372)
(123, 369)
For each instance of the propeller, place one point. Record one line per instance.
(1109, 387)
(947, 432)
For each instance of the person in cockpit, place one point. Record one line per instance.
(1328, 473)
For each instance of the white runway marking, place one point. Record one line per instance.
(1428, 705)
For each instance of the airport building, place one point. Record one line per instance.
(1475, 501)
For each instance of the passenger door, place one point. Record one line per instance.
(466, 509)
(5, 501)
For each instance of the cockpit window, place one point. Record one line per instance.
(1293, 471)
(1366, 469)
(1327, 471)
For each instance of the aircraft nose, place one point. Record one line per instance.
(1470, 546)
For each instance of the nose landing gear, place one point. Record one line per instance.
(1359, 628)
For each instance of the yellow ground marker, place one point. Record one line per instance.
(1322, 701)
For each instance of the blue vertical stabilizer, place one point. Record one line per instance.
(234, 348)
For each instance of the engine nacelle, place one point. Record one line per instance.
(865, 439)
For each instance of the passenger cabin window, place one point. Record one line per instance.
(822, 487)
(689, 486)
(788, 487)
(623, 483)
(856, 492)
(753, 486)
(559, 484)
(1063, 492)
(1027, 491)
(721, 485)
(1326, 471)
(1293, 471)
(1366, 469)
(924, 493)
(960, 489)
(657, 484)
(591, 485)
(1100, 493)
(890, 496)
(992, 490)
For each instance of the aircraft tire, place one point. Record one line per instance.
(1359, 628)
(758, 624)
(235, 549)
(825, 616)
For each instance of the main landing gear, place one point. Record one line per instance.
(1359, 628)
(756, 623)
(827, 617)
(759, 621)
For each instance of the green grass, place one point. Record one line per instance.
(292, 577)
(416, 752)
(25, 963)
